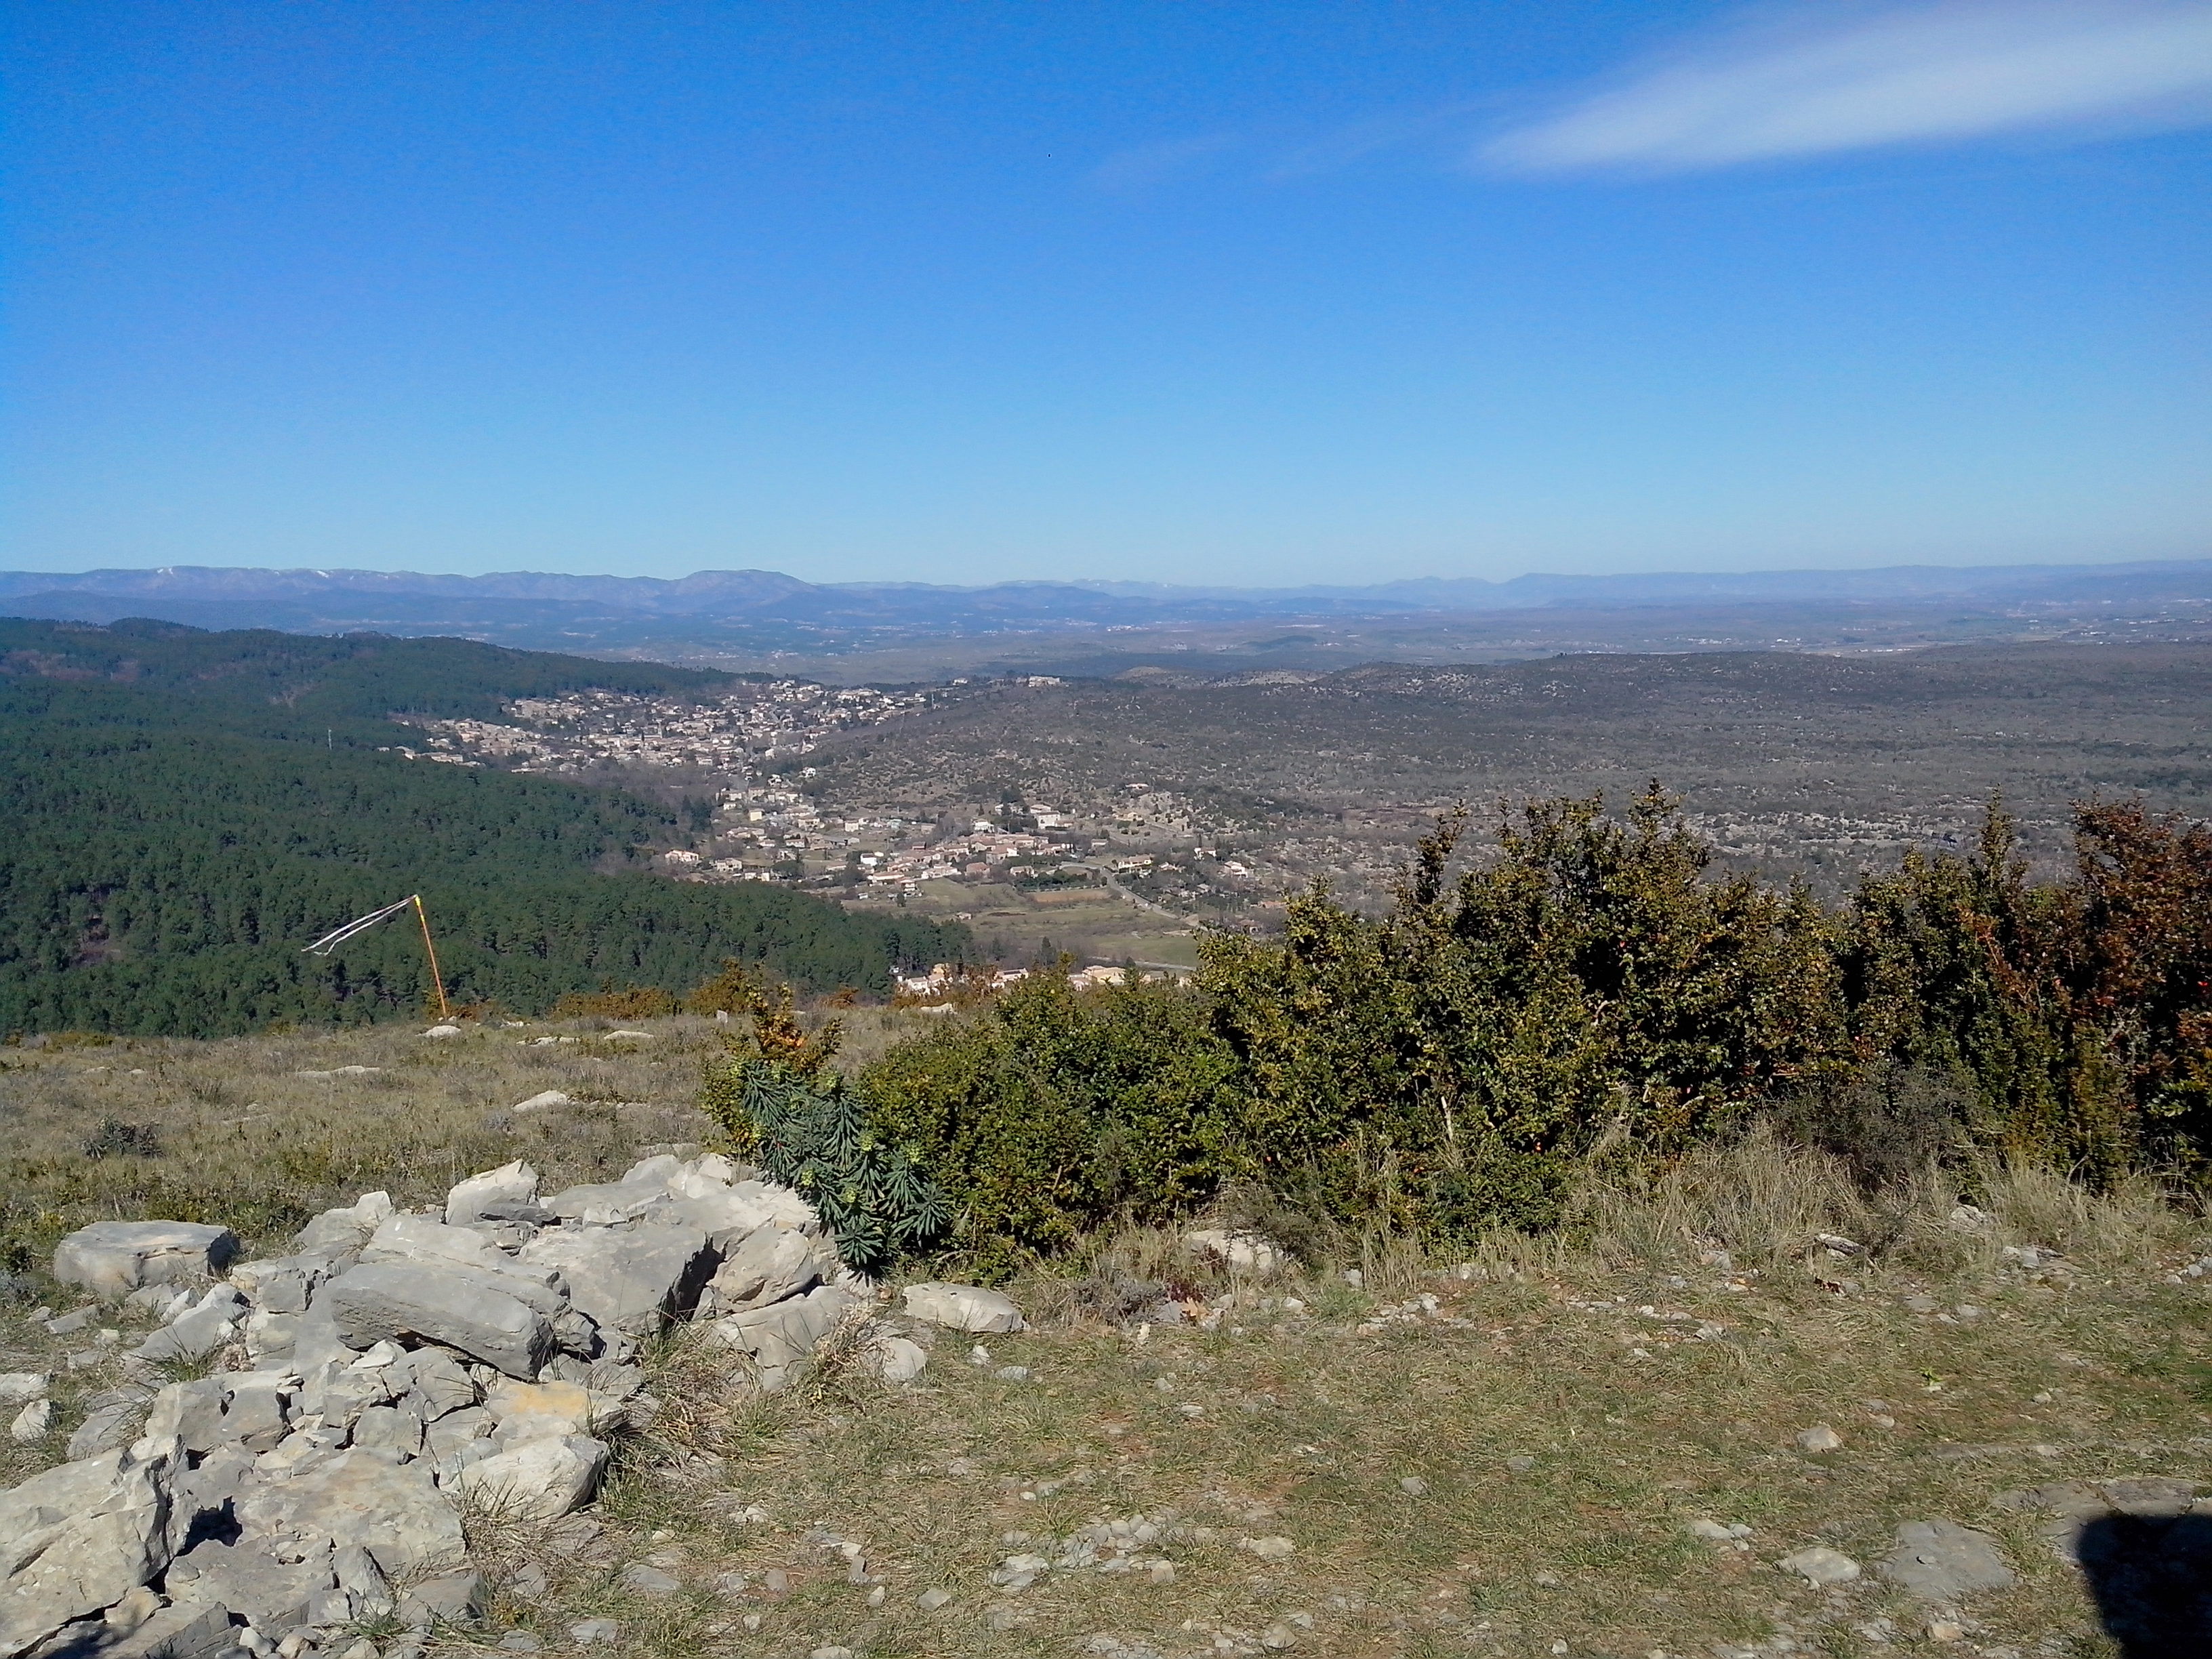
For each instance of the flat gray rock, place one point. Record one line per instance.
(194, 1335)
(245, 1407)
(249, 1577)
(436, 1383)
(449, 1306)
(426, 1238)
(108, 1426)
(336, 1231)
(731, 1213)
(509, 1184)
(608, 1204)
(1821, 1566)
(280, 1283)
(111, 1258)
(393, 1511)
(779, 1336)
(1940, 1561)
(631, 1279)
(542, 1479)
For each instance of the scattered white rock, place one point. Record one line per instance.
(898, 1359)
(443, 1031)
(964, 1308)
(1821, 1566)
(24, 1385)
(538, 1103)
(1275, 1548)
(1243, 1253)
(1732, 1532)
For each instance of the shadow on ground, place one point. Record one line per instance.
(2151, 1579)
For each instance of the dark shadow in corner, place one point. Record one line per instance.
(2151, 1579)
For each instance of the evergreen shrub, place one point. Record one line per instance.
(1451, 1065)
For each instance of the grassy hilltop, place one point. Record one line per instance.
(1492, 1450)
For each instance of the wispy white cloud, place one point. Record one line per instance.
(1146, 165)
(1799, 83)
(1348, 146)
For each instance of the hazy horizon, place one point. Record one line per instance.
(1105, 581)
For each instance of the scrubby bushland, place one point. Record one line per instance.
(1054, 1111)
(1448, 1066)
(2079, 1012)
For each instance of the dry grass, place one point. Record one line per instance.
(1561, 1437)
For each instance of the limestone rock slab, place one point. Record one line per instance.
(510, 1183)
(393, 1511)
(633, 1280)
(1940, 1561)
(112, 1258)
(964, 1308)
(453, 1308)
(77, 1539)
(542, 1479)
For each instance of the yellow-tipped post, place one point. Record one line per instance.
(431, 950)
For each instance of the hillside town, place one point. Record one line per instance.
(730, 733)
(751, 815)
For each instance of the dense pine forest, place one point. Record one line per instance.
(183, 811)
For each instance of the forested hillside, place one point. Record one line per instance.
(183, 812)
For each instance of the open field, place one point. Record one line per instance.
(1512, 1453)
(1013, 927)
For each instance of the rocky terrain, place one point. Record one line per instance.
(295, 1452)
(636, 1408)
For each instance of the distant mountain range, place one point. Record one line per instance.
(765, 613)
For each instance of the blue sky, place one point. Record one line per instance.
(1219, 293)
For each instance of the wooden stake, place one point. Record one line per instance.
(431, 950)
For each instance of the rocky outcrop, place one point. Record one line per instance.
(402, 1369)
(77, 1540)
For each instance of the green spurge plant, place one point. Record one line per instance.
(812, 1135)
(782, 1105)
